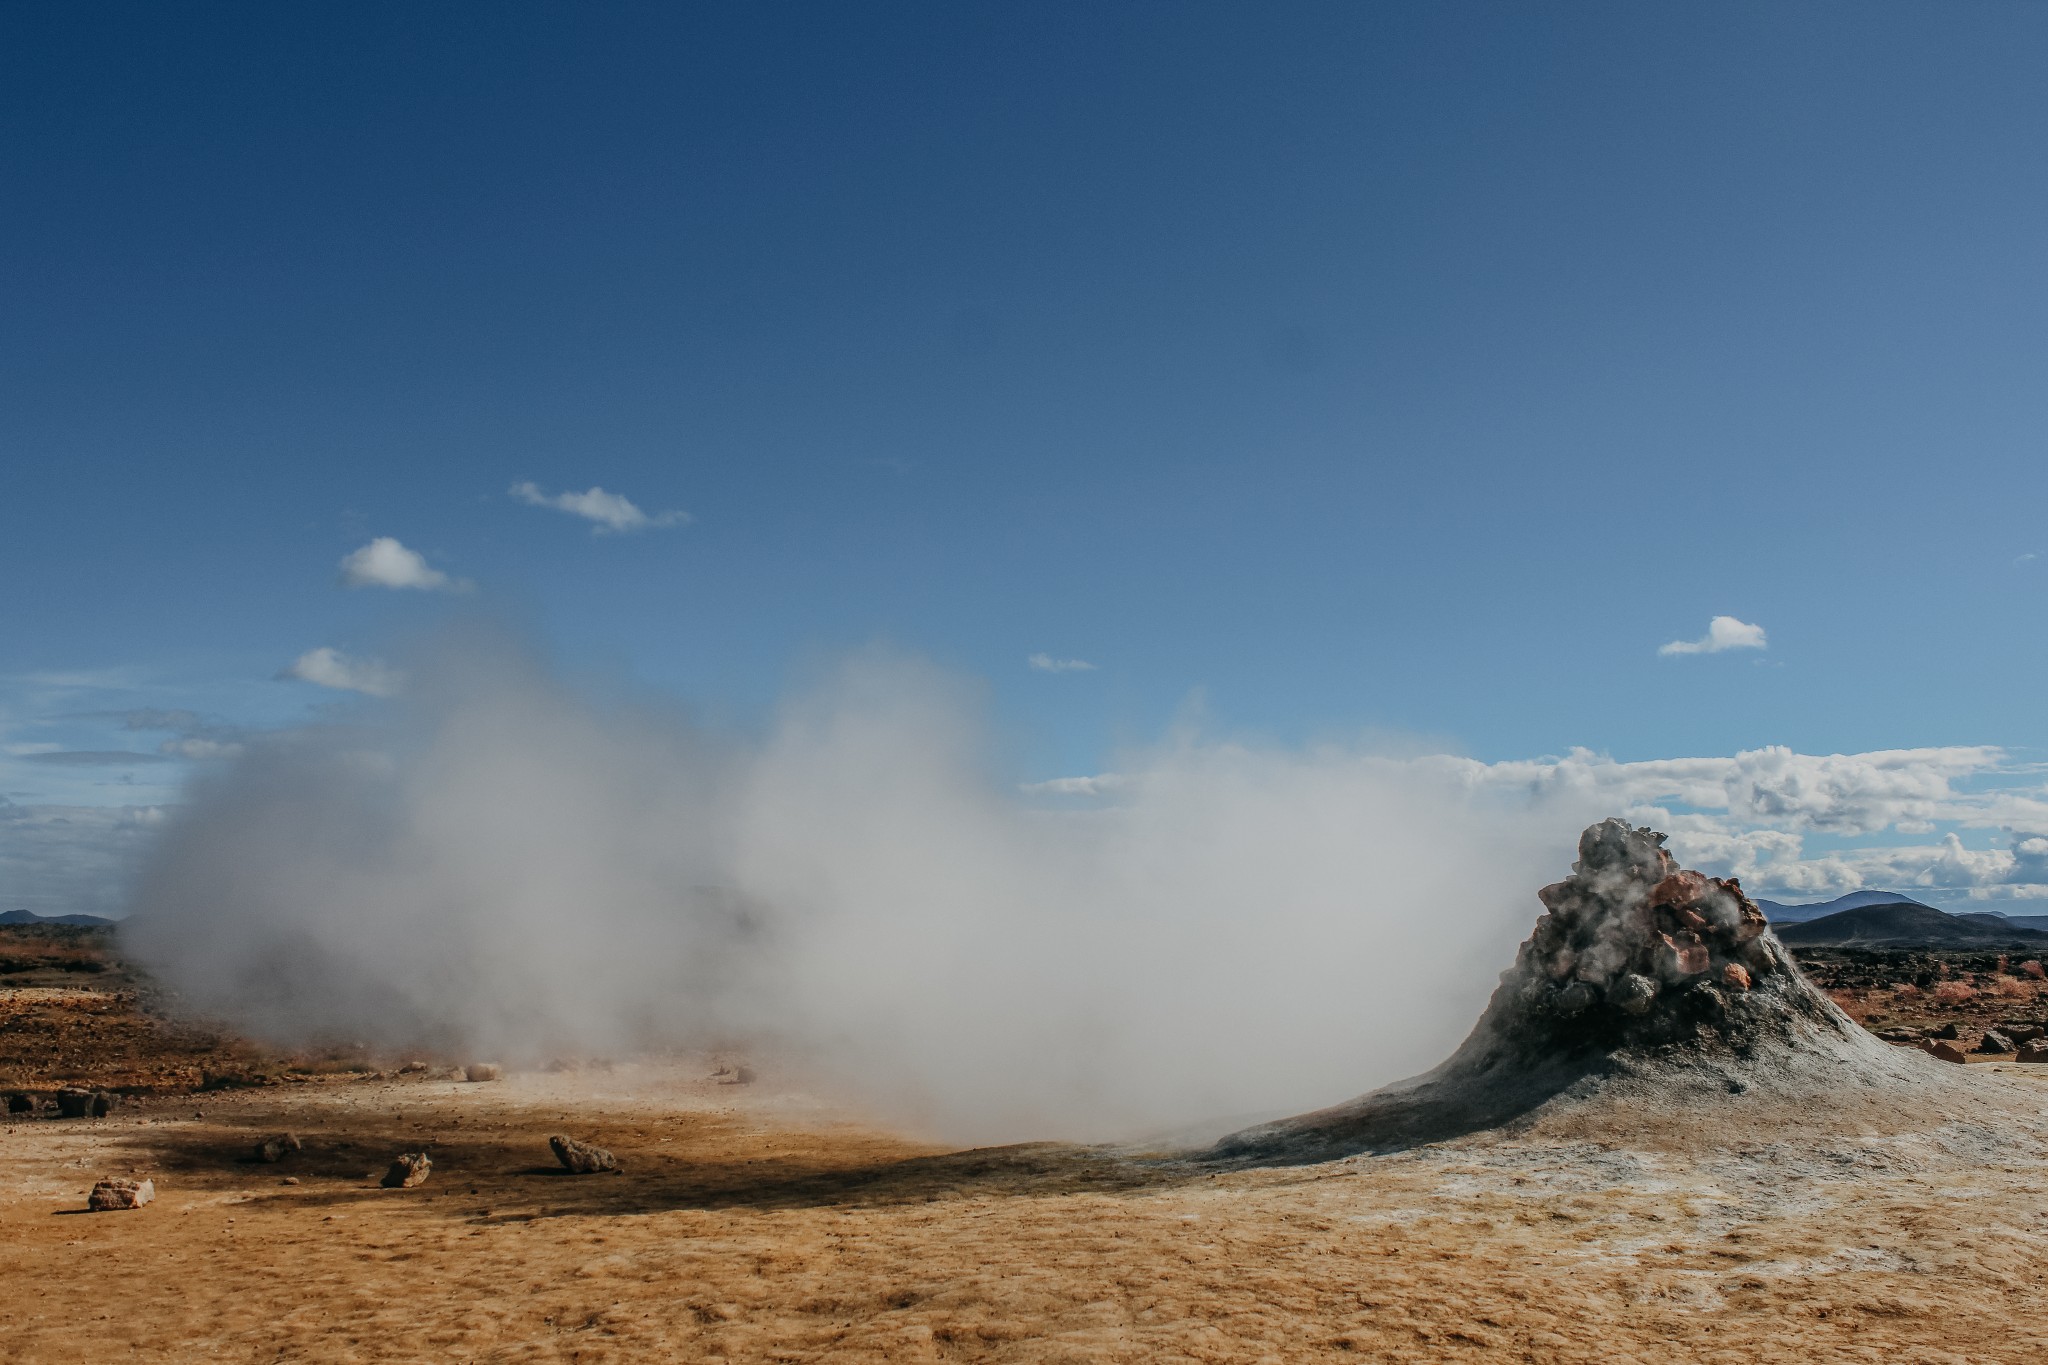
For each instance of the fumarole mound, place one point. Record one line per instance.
(1645, 987)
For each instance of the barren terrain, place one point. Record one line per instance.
(754, 1223)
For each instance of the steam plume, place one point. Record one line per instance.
(510, 867)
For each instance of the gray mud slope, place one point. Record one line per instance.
(1645, 990)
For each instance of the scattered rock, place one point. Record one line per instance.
(1995, 1043)
(289, 1180)
(412, 1068)
(1577, 998)
(1735, 977)
(581, 1157)
(1948, 1030)
(1634, 993)
(82, 1104)
(1945, 1051)
(410, 1169)
(734, 1075)
(21, 1104)
(277, 1148)
(120, 1194)
(482, 1071)
(2022, 1033)
(1899, 1035)
(2036, 1051)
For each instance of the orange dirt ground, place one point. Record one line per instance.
(754, 1223)
(749, 1226)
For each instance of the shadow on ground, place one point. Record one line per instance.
(703, 1164)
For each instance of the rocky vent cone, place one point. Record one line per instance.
(1643, 982)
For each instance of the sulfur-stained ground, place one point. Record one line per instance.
(752, 1225)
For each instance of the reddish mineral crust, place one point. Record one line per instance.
(1630, 925)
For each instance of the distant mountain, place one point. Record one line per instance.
(1778, 912)
(74, 921)
(1909, 924)
(2000, 918)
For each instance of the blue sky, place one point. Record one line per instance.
(1416, 369)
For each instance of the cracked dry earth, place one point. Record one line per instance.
(752, 1225)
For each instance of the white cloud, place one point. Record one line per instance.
(1845, 794)
(613, 512)
(92, 758)
(327, 667)
(199, 748)
(1045, 663)
(384, 563)
(1752, 815)
(1101, 784)
(1723, 632)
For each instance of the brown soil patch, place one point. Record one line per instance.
(750, 1225)
(753, 1223)
(1891, 988)
(72, 1013)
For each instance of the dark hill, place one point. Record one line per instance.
(1779, 912)
(1907, 924)
(71, 921)
(2008, 921)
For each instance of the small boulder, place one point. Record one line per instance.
(1899, 1035)
(1680, 888)
(580, 1157)
(278, 1147)
(1735, 977)
(1634, 993)
(1995, 1044)
(734, 1075)
(482, 1071)
(120, 1194)
(1577, 998)
(1945, 1051)
(410, 1169)
(19, 1103)
(84, 1104)
(2023, 1033)
(1681, 955)
(1949, 1031)
(2036, 1051)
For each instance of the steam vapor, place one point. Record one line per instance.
(502, 866)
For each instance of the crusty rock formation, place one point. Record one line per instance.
(1636, 949)
(581, 1158)
(120, 1194)
(408, 1170)
(1640, 977)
